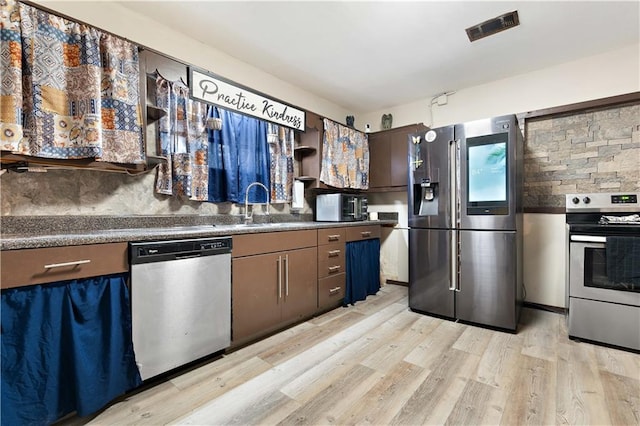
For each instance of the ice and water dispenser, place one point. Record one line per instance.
(426, 194)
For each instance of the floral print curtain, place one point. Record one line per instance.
(281, 141)
(345, 157)
(68, 90)
(183, 141)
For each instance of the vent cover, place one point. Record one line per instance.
(492, 26)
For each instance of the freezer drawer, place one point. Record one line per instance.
(488, 279)
(430, 272)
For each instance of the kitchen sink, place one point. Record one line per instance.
(258, 225)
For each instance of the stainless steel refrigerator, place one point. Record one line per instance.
(465, 222)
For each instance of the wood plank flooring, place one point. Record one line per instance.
(379, 363)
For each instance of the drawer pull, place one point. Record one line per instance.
(333, 253)
(334, 290)
(62, 265)
(334, 268)
(365, 234)
(333, 237)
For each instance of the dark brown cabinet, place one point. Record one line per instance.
(274, 282)
(388, 158)
(331, 267)
(52, 264)
(365, 232)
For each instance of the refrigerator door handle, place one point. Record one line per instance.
(454, 177)
(454, 160)
(453, 267)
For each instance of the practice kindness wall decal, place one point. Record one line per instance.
(217, 91)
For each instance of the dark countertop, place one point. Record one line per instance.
(52, 233)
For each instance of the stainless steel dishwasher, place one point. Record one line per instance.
(180, 301)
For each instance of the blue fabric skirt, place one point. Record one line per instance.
(66, 347)
(363, 270)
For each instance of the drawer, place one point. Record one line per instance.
(357, 233)
(331, 291)
(46, 265)
(270, 242)
(331, 235)
(331, 260)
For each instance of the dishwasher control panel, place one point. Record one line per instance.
(159, 251)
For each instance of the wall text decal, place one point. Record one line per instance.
(215, 90)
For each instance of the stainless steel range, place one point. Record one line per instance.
(604, 268)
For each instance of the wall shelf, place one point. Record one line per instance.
(305, 178)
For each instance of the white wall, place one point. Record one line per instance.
(609, 74)
(113, 17)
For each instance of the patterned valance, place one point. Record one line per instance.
(345, 157)
(68, 90)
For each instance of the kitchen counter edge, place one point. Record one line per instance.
(17, 242)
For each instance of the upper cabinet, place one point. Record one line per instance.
(388, 163)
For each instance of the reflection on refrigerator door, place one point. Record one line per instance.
(487, 274)
(430, 272)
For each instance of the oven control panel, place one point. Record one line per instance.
(624, 199)
(603, 202)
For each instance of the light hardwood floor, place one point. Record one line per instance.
(379, 363)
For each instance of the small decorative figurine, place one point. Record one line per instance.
(350, 120)
(387, 119)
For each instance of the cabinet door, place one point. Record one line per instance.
(331, 291)
(256, 305)
(300, 291)
(379, 164)
(399, 151)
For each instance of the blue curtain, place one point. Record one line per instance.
(363, 270)
(66, 347)
(238, 155)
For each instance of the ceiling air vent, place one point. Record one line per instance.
(492, 26)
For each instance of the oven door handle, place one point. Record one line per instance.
(589, 238)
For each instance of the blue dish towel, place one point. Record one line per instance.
(623, 259)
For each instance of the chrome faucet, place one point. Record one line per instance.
(248, 217)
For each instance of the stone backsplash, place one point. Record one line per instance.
(594, 151)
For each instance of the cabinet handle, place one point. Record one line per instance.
(365, 234)
(286, 276)
(334, 268)
(334, 290)
(333, 253)
(279, 277)
(333, 237)
(62, 265)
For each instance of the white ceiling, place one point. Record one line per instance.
(370, 55)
